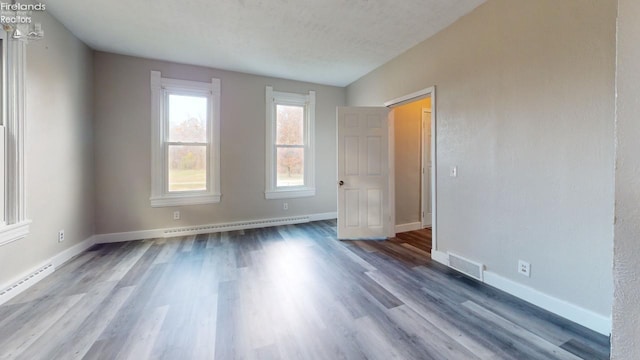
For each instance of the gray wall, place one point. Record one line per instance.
(525, 102)
(59, 149)
(123, 135)
(625, 340)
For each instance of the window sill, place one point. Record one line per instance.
(11, 233)
(288, 194)
(180, 200)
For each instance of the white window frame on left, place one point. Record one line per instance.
(160, 90)
(14, 224)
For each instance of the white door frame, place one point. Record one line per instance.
(425, 180)
(427, 92)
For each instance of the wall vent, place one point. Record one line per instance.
(240, 225)
(466, 266)
(23, 284)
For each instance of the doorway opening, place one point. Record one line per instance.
(412, 175)
(366, 170)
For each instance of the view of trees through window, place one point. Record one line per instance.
(289, 145)
(187, 143)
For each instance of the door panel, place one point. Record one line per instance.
(374, 207)
(374, 153)
(351, 155)
(363, 167)
(352, 208)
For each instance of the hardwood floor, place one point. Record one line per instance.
(419, 240)
(289, 292)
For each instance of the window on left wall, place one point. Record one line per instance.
(14, 223)
(185, 141)
(2, 133)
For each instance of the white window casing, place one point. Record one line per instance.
(308, 101)
(15, 224)
(161, 88)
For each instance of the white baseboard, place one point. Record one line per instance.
(69, 253)
(573, 312)
(323, 216)
(21, 283)
(408, 227)
(210, 228)
(439, 256)
(587, 318)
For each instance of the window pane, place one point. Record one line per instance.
(290, 166)
(187, 168)
(187, 118)
(289, 125)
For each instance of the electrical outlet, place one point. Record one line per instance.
(524, 268)
(176, 215)
(61, 236)
(285, 206)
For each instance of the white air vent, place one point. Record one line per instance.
(466, 266)
(22, 285)
(237, 225)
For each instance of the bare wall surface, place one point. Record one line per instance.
(59, 149)
(123, 148)
(525, 110)
(625, 340)
(408, 138)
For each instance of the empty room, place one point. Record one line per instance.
(337, 179)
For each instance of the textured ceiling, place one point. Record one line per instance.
(332, 42)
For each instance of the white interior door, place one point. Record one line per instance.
(363, 173)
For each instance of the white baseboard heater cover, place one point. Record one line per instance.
(240, 225)
(23, 284)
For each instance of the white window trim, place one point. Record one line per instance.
(160, 196)
(17, 225)
(274, 98)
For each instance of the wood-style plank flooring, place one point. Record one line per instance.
(419, 240)
(289, 292)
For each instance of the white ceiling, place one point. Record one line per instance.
(332, 42)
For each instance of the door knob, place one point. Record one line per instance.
(340, 182)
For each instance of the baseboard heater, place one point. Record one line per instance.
(21, 285)
(240, 225)
(470, 268)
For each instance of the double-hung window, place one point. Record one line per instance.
(289, 144)
(185, 145)
(14, 223)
